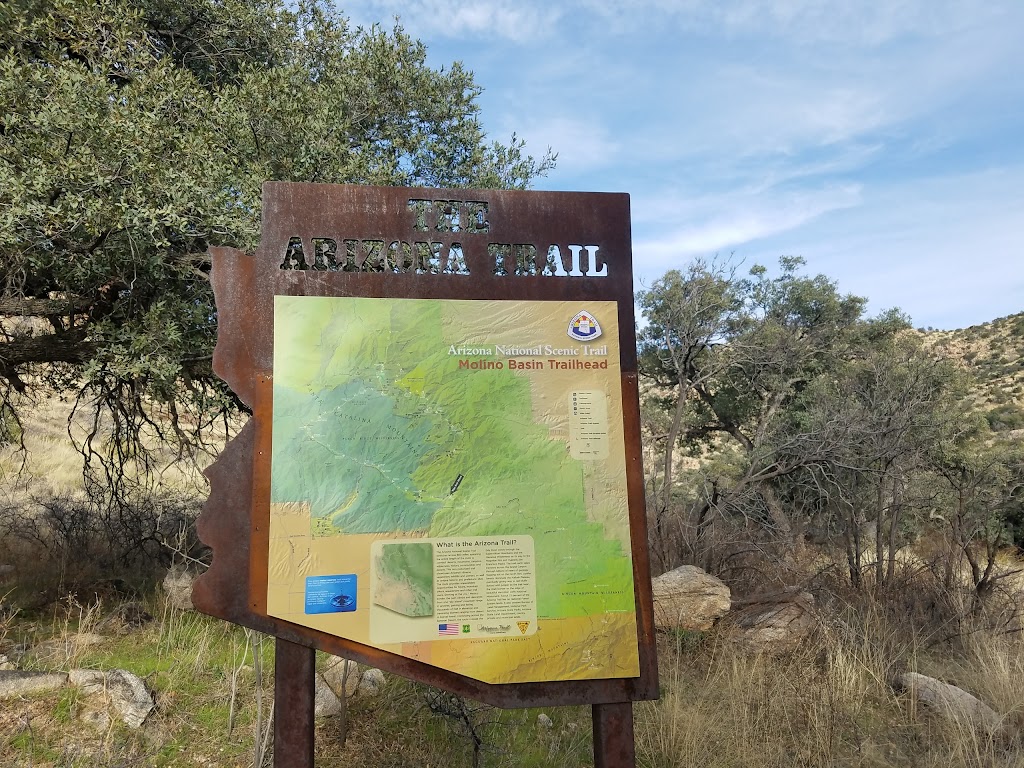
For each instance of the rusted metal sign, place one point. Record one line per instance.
(441, 477)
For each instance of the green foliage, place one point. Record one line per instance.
(747, 360)
(1006, 417)
(801, 411)
(134, 134)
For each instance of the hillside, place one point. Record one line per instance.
(994, 354)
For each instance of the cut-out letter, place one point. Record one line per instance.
(500, 255)
(325, 251)
(553, 266)
(448, 219)
(476, 218)
(596, 266)
(576, 271)
(376, 260)
(455, 263)
(294, 258)
(399, 257)
(420, 212)
(525, 259)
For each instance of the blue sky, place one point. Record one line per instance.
(882, 141)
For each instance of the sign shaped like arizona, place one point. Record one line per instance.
(448, 483)
(441, 477)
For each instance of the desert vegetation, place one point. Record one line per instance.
(870, 478)
(793, 445)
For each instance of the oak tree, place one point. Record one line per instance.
(135, 134)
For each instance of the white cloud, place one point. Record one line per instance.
(949, 250)
(501, 19)
(842, 22)
(853, 133)
(704, 227)
(582, 144)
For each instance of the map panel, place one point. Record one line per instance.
(463, 464)
(405, 578)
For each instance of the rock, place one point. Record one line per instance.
(335, 676)
(88, 681)
(360, 680)
(16, 682)
(543, 720)
(775, 622)
(688, 598)
(177, 586)
(326, 702)
(952, 702)
(371, 682)
(6, 572)
(13, 656)
(124, 692)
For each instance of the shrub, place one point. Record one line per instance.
(1005, 417)
(66, 543)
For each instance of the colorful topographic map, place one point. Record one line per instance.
(407, 419)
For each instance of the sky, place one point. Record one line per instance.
(883, 142)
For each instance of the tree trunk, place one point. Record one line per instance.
(851, 539)
(894, 519)
(879, 538)
(670, 444)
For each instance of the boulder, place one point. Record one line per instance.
(359, 680)
(15, 682)
(343, 676)
(371, 682)
(951, 702)
(689, 598)
(124, 692)
(177, 586)
(774, 622)
(326, 702)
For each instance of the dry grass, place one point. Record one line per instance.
(51, 465)
(212, 683)
(833, 703)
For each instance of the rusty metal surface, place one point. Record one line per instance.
(614, 744)
(235, 521)
(294, 702)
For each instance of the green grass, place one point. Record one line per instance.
(829, 704)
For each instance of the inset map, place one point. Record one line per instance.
(405, 579)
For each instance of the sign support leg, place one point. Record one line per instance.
(614, 746)
(294, 682)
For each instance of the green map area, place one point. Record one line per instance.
(405, 579)
(377, 429)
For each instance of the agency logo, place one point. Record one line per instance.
(584, 327)
(523, 626)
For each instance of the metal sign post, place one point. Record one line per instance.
(441, 477)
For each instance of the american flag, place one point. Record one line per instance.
(447, 629)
